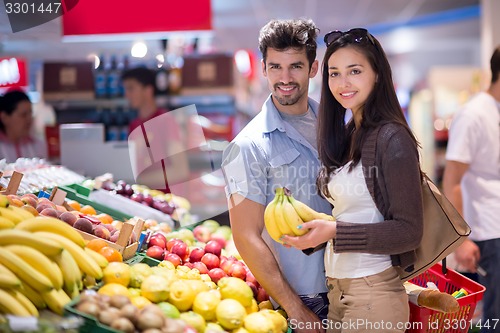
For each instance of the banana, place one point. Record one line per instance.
(305, 212)
(39, 262)
(24, 271)
(53, 225)
(291, 217)
(70, 271)
(98, 258)
(5, 223)
(56, 299)
(279, 217)
(33, 296)
(24, 301)
(4, 201)
(10, 215)
(21, 212)
(14, 236)
(84, 261)
(8, 279)
(9, 304)
(269, 220)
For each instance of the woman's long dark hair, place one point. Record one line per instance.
(338, 142)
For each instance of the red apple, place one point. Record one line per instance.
(171, 243)
(226, 264)
(253, 287)
(237, 270)
(188, 264)
(216, 274)
(158, 239)
(173, 258)
(213, 247)
(200, 267)
(155, 252)
(251, 278)
(196, 254)
(220, 239)
(210, 260)
(262, 295)
(201, 233)
(181, 249)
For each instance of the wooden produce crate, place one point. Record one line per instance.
(127, 251)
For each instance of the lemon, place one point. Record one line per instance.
(252, 308)
(169, 274)
(258, 323)
(140, 301)
(169, 310)
(239, 330)
(167, 264)
(183, 268)
(194, 274)
(205, 303)
(205, 277)
(214, 327)
(198, 286)
(266, 305)
(112, 289)
(138, 272)
(237, 289)
(116, 272)
(155, 288)
(181, 295)
(134, 292)
(230, 314)
(280, 323)
(181, 275)
(211, 285)
(194, 320)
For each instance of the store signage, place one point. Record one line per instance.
(12, 72)
(93, 18)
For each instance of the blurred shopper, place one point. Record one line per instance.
(16, 120)
(278, 149)
(472, 183)
(367, 161)
(140, 87)
(168, 149)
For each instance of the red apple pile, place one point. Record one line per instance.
(206, 259)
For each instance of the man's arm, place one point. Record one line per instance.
(247, 224)
(468, 253)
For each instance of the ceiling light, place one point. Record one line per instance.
(139, 50)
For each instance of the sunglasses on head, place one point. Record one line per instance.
(356, 35)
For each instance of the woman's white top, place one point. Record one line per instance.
(353, 203)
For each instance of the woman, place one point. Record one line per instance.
(371, 175)
(15, 125)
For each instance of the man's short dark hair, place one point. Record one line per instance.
(285, 34)
(495, 65)
(143, 75)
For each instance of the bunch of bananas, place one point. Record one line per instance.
(43, 262)
(285, 213)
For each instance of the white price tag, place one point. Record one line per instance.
(22, 323)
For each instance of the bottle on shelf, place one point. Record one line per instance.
(113, 79)
(100, 79)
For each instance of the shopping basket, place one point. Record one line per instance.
(426, 320)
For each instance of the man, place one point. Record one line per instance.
(140, 85)
(472, 183)
(278, 149)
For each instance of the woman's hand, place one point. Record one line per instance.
(320, 231)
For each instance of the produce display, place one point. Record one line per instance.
(58, 258)
(284, 214)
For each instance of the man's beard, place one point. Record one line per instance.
(289, 99)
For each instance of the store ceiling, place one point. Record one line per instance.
(236, 25)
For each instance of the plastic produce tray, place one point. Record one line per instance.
(81, 194)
